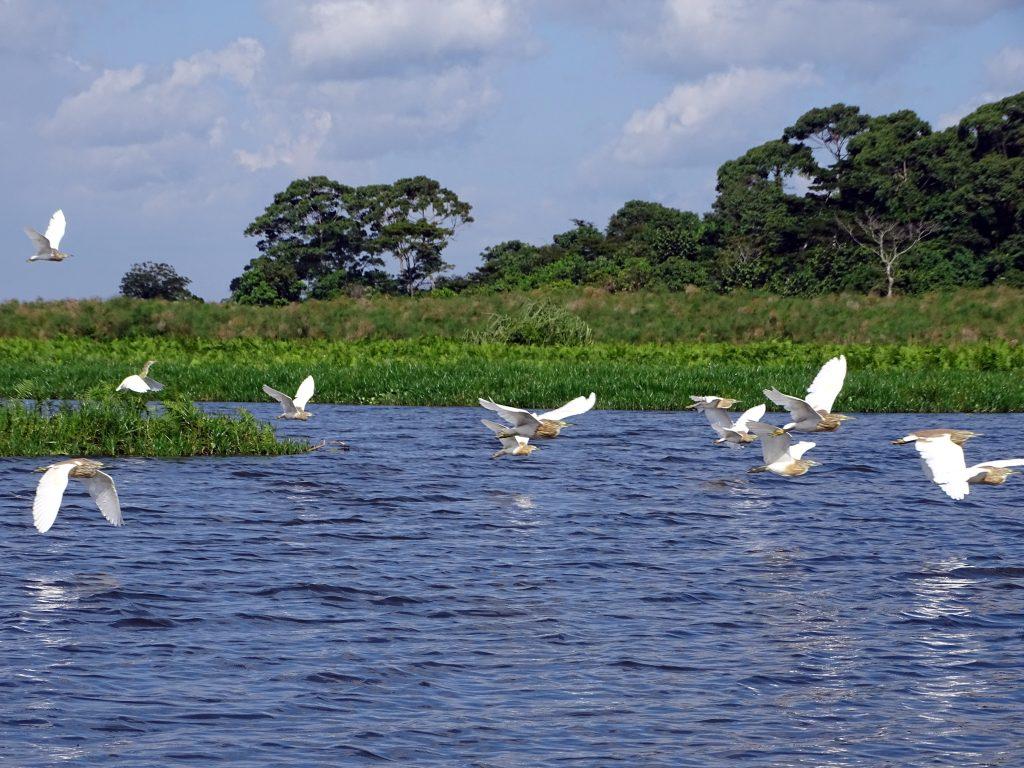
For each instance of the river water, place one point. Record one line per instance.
(628, 595)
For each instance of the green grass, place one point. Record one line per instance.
(123, 426)
(883, 378)
(937, 318)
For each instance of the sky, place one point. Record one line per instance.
(162, 128)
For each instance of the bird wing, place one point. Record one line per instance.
(135, 383)
(943, 462)
(304, 392)
(497, 429)
(574, 407)
(799, 409)
(998, 463)
(103, 491)
(797, 450)
(773, 446)
(55, 229)
(153, 384)
(516, 416)
(718, 417)
(49, 494)
(41, 243)
(751, 414)
(281, 397)
(520, 440)
(509, 442)
(825, 388)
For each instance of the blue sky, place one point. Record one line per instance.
(162, 128)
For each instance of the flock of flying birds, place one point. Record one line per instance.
(941, 450)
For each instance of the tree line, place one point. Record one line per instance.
(841, 201)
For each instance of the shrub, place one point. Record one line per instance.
(540, 323)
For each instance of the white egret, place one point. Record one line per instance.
(293, 407)
(733, 433)
(944, 464)
(781, 455)
(814, 413)
(700, 402)
(50, 491)
(47, 245)
(141, 382)
(958, 436)
(511, 444)
(548, 424)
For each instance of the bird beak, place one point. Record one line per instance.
(849, 418)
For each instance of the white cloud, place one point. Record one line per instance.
(1004, 77)
(710, 115)
(298, 151)
(692, 37)
(354, 39)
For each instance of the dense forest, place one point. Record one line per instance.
(841, 201)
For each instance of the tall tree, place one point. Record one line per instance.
(413, 219)
(888, 239)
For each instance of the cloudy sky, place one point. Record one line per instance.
(163, 127)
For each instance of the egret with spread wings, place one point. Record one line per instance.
(781, 455)
(944, 464)
(511, 444)
(734, 434)
(47, 245)
(50, 491)
(141, 382)
(549, 424)
(814, 414)
(293, 407)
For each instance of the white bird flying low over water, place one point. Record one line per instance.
(293, 407)
(50, 491)
(141, 382)
(814, 413)
(732, 433)
(781, 455)
(47, 245)
(511, 444)
(700, 402)
(547, 424)
(944, 464)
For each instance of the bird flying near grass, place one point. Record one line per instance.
(943, 461)
(50, 491)
(293, 407)
(47, 245)
(140, 382)
(511, 444)
(548, 424)
(781, 455)
(813, 414)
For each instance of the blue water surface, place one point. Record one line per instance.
(626, 596)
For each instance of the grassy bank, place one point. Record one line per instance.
(123, 426)
(883, 378)
(740, 317)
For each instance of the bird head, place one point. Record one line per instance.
(904, 440)
(844, 417)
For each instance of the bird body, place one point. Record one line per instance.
(293, 407)
(943, 461)
(548, 424)
(47, 245)
(141, 382)
(733, 434)
(814, 413)
(711, 401)
(958, 436)
(511, 443)
(50, 491)
(781, 455)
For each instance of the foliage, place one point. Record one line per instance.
(890, 377)
(541, 323)
(155, 280)
(107, 424)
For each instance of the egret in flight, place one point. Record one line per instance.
(958, 436)
(548, 424)
(781, 455)
(732, 433)
(700, 402)
(511, 444)
(944, 464)
(50, 491)
(141, 382)
(47, 245)
(293, 407)
(814, 413)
